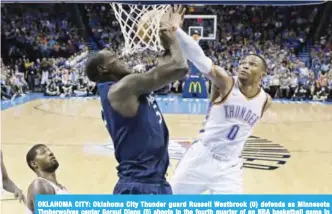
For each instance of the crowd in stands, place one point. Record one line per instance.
(44, 52)
(54, 76)
(37, 31)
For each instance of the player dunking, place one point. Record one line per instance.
(43, 162)
(132, 116)
(237, 103)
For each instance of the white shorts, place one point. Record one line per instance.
(44, 79)
(200, 171)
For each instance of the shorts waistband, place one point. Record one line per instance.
(142, 180)
(219, 157)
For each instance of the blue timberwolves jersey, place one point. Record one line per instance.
(140, 142)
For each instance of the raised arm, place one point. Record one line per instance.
(137, 84)
(194, 53)
(8, 184)
(123, 96)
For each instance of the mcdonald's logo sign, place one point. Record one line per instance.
(195, 87)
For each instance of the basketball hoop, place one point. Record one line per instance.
(129, 17)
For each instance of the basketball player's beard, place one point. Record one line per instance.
(53, 167)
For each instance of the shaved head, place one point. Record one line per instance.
(91, 67)
(105, 66)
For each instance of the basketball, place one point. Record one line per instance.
(145, 24)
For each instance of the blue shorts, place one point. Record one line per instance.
(129, 186)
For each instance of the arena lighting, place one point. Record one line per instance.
(210, 2)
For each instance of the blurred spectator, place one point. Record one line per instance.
(300, 93)
(81, 89)
(52, 89)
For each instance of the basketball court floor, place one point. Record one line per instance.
(290, 150)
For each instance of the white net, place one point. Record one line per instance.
(140, 26)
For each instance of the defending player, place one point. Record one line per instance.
(237, 104)
(43, 162)
(7, 184)
(133, 118)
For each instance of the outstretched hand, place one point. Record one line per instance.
(165, 21)
(170, 21)
(177, 16)
(172, 18)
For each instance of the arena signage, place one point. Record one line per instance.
(194, 86)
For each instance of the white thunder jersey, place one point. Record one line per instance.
(230, 123)
(58, 191)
